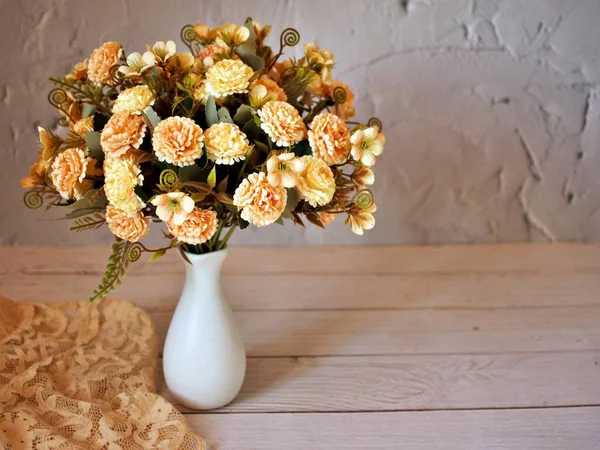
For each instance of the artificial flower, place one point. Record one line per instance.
(134, 100)
(367, 143)
(68, 174)
(205, 34)
(180, 63)
(137, 64)
(329, 138)
(37, 175)
(282, 123)
(101, 60)
(173, 207)
(326, 218)
(162, 51)
(260, 203)
(121, 177)
(316, 182)
(260, 33)
(361, 219)
(79, 71)
(129, 226)
(198, 227)
(178, 141)
(341, 91)
(82, 126)
(322, 59)
(265, 90)
(283, 169)
(228, 77)
(233, 34)
(363, 176)
(122, 132)
(212, 53)
(226, 143)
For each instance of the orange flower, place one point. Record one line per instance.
(178, 140)
(198, 227)
(101, 60)
(68, 173)
(260, 202)
(282, 122)
(129, 226)
(265, 90)
(122, 132)
(329, 138)
(344, 99)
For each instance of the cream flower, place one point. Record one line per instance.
(329, 138)
(178, 140)
(121, 176)
(68, 173)
(261, 204)
(265, 90)
(122, 132)
(282, 123)
(284, 169)
(363, 176)
(101, 60)
(322, 58)
(173, 207)
(83, 125)
(134, 100)
(204, 33)
(361, 219)
(338, 91)
(137, 64)
(226, 143)
(129, 226)
(366, 145)
(199, 226)
(233, 34)
(228, 77)
(162, 51)
(316, 182)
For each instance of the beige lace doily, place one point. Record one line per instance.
(82, 376)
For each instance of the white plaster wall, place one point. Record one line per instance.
(491, 107)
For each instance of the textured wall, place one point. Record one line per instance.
(491, 108)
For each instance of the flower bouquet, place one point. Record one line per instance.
(204, 141)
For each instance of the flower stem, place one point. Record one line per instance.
(223, 243)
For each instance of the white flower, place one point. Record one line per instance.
(284, 169)
(137, 64)
(173, 207)
(366, 145)
(163, 51)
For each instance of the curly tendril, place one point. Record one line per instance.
(289, 37)
(375, 122)
(188, 36)
(56, 97)
(339, 95)
(169, 179)
(33, 200)
(364, 199)
(134, 251)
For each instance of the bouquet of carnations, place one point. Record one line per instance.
(205, 141)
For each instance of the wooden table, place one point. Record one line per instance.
(467, 347)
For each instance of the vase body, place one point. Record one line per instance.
(204, 360)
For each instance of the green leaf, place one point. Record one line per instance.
(293, 198)
(92, 141)
(252, 130)
(302, 148)
(243, 224)
(212, 177)
(279, 221)
(150, 117)
(94, 198)
(89, 222)
(222, 187)
(115, 270)
(212, 116)
(262, 147)
(243, 115)
(140, 193)
(189, 173)
(224, 116)
(87, 110)
(157, 254)
(247, 53)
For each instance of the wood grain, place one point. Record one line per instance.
(314, 333)
(389, 383)
(533, 429)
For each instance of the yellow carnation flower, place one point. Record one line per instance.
(226, 143)
(282, 123)
(129, 226)
(198, 227)
(122, 132)
(68, 173)
(329, 138)
(228, 77)
(101, 61)
(121, 176)
(178, 140)
(316, 182)
(260, 202)
(134, 100)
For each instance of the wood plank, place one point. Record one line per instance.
(380, 383)
(529, 429)
(508, 258)
(314, 333)
(159, 292)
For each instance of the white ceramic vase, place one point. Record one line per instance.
(204, 360)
